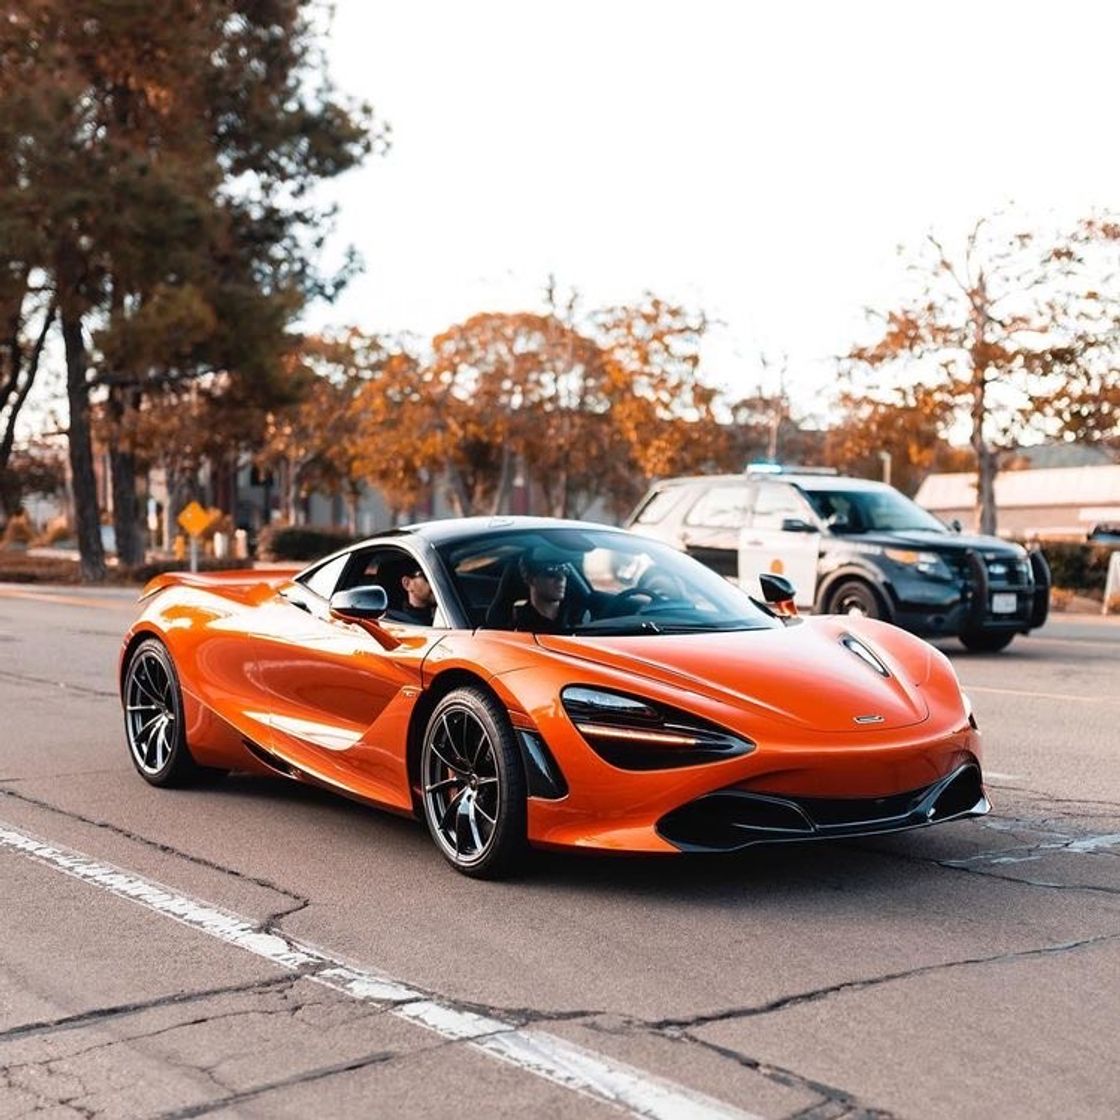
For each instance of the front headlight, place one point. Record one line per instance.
(636, 734)
(928, 563)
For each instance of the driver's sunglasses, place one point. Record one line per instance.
(553, 571)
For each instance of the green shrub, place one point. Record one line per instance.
(300, 542)
(1078, 566)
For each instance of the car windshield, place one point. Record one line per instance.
(862, 511)
(610, 582)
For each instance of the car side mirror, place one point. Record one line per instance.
(955, 525)
(360, 604)
(779, 593)
(797, 525)
(365, 607)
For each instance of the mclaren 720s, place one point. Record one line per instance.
(527, 682)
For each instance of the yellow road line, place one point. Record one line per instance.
(64, 600)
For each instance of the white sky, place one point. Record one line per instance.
(762, 162)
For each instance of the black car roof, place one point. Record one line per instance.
(450, 530)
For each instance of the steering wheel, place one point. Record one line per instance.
(620, 603)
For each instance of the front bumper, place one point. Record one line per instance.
(970, 604)
(734, 818)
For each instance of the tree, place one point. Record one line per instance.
(179, 427)
(313, 443)
(35, 468)
(663, 409)
(525, 391)
(166, 152)
(589, 407)
(1017, 333)
(27, 318)
(909, 429)
(406, 426)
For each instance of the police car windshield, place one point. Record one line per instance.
(864, 511)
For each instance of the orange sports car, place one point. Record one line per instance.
(528, 682)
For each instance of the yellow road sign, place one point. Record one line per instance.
(197, 520)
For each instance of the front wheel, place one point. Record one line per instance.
(990, 641)
(473, 785)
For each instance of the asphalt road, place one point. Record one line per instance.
(967, 970)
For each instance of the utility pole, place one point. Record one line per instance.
(885, 459)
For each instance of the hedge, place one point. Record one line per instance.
(141, 573)
(1078, 566)
(300, 542)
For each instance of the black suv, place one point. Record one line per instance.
(853, 546)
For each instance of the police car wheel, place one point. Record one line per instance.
(977, 641)
(855, 597)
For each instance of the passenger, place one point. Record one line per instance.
(419, 606)
(545, 571)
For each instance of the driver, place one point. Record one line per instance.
(545, 571)
(419, 606)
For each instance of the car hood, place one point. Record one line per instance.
(801, 674)
(930, 539)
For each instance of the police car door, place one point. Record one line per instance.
(781, 536)
(712, 526)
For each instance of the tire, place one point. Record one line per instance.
(855, 596)
(153, 719)
(473, 785)
(990, 641)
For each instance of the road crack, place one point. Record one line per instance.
(669, 1026)
(99, 1015)
(65, 686)
(300, 901)
(378, 1057)
(850, 1107)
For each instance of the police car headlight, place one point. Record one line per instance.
(928, 563)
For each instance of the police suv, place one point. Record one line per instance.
(852, 546)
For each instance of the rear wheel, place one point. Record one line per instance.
(473, 785)
(855, 597)
(990, 641)
(153, 718)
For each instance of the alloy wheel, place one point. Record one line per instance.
(462, 787)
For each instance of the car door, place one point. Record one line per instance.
(340, 693)
(782, 537)
(711, 526)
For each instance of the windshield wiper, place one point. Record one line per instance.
(708, 627)
(609, 628)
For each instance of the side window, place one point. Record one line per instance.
(324, 579)
(775, 503)
(721, 507)
(386, 567)
(383, 566)
(657, 505)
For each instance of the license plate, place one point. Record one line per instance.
(1004, 602)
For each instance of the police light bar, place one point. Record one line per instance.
(788, 468)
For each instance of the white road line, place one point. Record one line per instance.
(544, 1055)
(970, 688)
